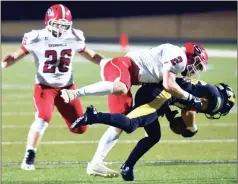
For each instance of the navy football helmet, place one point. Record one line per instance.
(229, 101)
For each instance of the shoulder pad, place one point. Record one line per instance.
(30, 37)
(79, 34)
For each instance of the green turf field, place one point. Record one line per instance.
(62, 156)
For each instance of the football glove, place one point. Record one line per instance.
(68, 95)
(195, 102)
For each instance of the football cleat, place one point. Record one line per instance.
(127, 173)
(28, 161)
(68, 95)
(99, 169)
(83, 120)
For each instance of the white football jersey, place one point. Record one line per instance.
(53, 57)
(154, 61)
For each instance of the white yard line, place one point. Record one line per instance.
(130, 141)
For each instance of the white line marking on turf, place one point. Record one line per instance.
(121, 162)
(129, 141)
(103, 126)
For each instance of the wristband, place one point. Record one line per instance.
(186, 96)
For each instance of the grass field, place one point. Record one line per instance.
(209, 157)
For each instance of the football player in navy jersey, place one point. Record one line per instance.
(152, 101)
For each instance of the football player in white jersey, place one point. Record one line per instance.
(53, 49)
(163, 62)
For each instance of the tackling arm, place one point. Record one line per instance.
(92, 55)
(170, 85)
(12, 58)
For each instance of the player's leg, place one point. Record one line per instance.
(117, 104)
(119, 74)
(139, 117)
(154, 134)
(44, 105)
(116, 80)
(70, 111)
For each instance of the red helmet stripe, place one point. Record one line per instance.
(63, 11)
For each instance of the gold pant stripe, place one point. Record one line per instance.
(151, 107)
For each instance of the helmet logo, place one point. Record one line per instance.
(198, 49)
(50, 12)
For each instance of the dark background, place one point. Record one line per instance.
(23, 10)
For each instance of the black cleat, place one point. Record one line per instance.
(127, 173)
(83, 120)
(28, 161)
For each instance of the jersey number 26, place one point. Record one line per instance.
(63, 62)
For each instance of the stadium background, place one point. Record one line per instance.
(208, 157)
(142, 21)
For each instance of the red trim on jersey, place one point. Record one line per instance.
(83, 49)
(24, 49)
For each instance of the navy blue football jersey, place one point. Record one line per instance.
(200, 89)
(149, 92)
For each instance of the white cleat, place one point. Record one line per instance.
(27, 167)
(68, 95)
(99, 169)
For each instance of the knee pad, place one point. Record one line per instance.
(39, 125)
(79, 130)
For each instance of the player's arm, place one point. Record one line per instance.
(92, 55)
(13, 57)
(26, 48)
(169, 83)
(189, 118)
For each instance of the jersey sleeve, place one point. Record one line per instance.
(28, 41)
(173, 61)
(81, 45)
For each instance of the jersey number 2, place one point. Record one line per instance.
(62, 63)
(177, 60)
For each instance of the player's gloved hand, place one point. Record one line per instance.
(68, 95)
(195, 102)
(190, 131)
